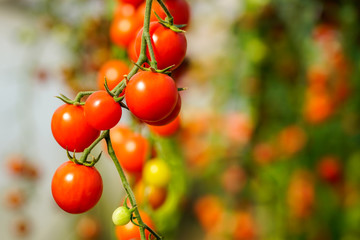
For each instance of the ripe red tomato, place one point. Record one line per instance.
(151, 96)
(169, 46)
(131, 231)
(167, 129)
(130, 148)
(101, 111)
(70, 129)
(123, 29)
(114, 71)
(180, 10)
(330, 170)
(76, 188)
(170, 117)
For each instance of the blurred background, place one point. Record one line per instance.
(268, 146)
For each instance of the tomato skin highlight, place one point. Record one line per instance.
(169, 46)
(151, 96)
(76, 188)
(114, 71)
(101, 111)
(70, 129)
(130, 148)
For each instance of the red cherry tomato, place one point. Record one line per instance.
(180, 10)
(76, 188)
(101, 111)
(130, 148)
(151, 96)
(131, 231)
(168, 129)
(123, 29)
(114, 71)
(169, 46)
(170, 117)
(70, 129)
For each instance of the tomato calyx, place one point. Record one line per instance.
(85, 162)
(169, 23)
(151, 69)
(77, 100)
(113, 94)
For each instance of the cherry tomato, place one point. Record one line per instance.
(70, 129)
(169, 46)
(121, 216)
(329, 169)
(131, 231)
(123, 29)
(76, 188)
(151, 96)
(167, 129)
(114, 71)
(170, 117)
(101, 111)
(180, 10)
(130, 148)
(157, 173)
(154, 196)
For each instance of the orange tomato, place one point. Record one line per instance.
(210, 212)
(291, 139)
(113, 71)
(123, 29)
(301, 194)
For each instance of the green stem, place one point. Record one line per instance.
(126, 186)
(88, 149)
(169, 17)
(80, 95)
(146, 34)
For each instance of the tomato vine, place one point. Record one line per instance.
(169, 113)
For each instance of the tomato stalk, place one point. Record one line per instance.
(169, 17)
(128, 190)
(146, 35)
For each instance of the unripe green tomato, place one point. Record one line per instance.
(157, 173)
(121, 216)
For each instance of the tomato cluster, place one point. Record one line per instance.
(151, 95)
(128, 20)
